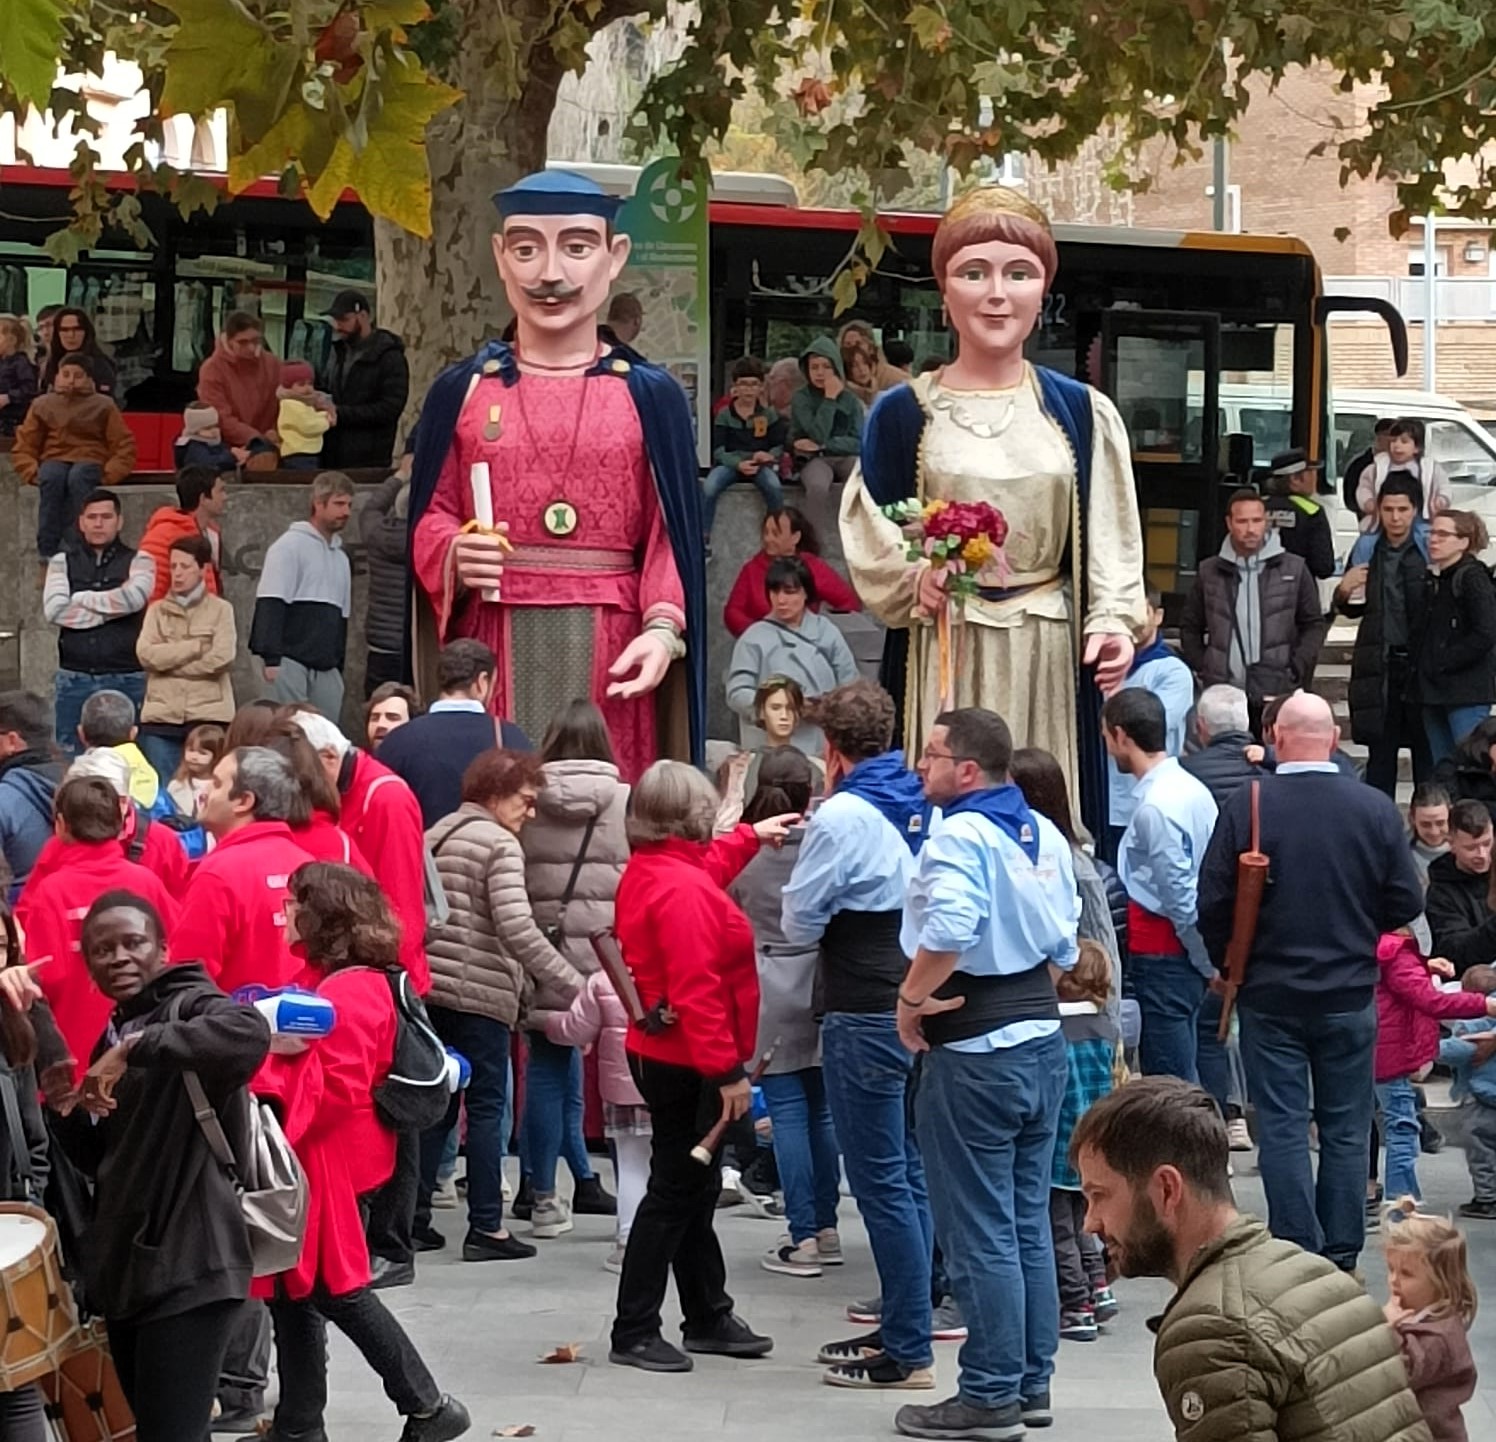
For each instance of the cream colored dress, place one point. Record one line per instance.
(1015, 655)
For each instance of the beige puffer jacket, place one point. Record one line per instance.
(574, 793)
(489, 955)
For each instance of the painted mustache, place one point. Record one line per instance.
(552, 290)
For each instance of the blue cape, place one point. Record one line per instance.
(669, 441)
(890, 470)
(1158, 650)
(1006, 807)
(888, 785)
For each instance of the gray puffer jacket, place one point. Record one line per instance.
(575, 792)
(489, 956)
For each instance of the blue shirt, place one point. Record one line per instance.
(1170, 680)
(976, 893)
(1162, 848)
(852, 859)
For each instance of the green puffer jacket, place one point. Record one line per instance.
(1265, 1342)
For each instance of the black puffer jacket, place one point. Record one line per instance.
(1467, 779)
(1369, 698)
(1457, 648)
(383, 528)
(369, 384)
(1222, 766)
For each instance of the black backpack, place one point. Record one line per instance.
(416, 1093)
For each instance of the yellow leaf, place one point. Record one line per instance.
(326, 189)
(392, 14)
(219, 50)
(287, 140)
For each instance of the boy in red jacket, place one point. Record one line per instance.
(1410, 1007)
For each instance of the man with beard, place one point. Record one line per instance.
(1262, 1341)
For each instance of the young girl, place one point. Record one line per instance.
(1409, 1009)
(17, 374)
(1091, 1037)
(1431, 1309)
(778, 708)
(201, 752)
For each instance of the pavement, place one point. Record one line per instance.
(483, 1326)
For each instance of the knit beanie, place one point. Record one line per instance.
(295, 373)
(197, 419)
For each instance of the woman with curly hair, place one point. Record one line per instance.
(340, 922)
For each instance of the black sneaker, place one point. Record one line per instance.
(854, 1349)
(729, 1336)
(954, 1418)
(391, 1274)
(1483, 1209)
(427, 1239)
(524, 1201)
(480, 1247)
(654, 1354)
(590, 1200)
(316, 1434)
(880, 1373)
(1036, 1411)
(448, 1421)
(242, 1422)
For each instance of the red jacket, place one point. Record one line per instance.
(50, 911)
(749, 602)
(166, 525)
(325, 840)
(382, 815)
(687, 943)
(1410, 1008)
(346, 1150)
(234, 916)
(162, 854)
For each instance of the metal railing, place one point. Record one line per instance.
(1462, 298)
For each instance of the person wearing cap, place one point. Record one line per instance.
(201, 442)
(369, 381)
(303, 419)
(590, 454)
(239, 380)
(1293, 508)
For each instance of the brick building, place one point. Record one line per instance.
(1275, 186)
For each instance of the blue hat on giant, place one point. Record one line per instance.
(557, 192)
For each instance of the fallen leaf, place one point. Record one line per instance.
(525, 1430)
(566, 1352)
(812, 96)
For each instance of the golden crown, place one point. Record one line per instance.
(995, 199)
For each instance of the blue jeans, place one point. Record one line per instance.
(1170, 992)
(987, 1124)
(1212, 1061)
(164, 753)
(61, 489)
(1446, 725)
(73, 688)
(804, 1150)
(867, 1074)
(485, 1044)
(1313, 1066)
(553, 1113)
(719, 478)
(1400, 1138)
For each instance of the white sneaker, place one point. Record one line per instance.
(1237, 1135)
(445, 1195)
(613, 1262)
(506, 1187)
(828, 1246)
(550, 1218)
(790, 1260)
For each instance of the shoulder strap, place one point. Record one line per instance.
(202, 1108)
(576, 866)
(20, 1151)
(1256, 818)
(452, 831)
(136, 849)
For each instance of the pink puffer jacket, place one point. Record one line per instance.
(1410, 1008)
(597, 1015)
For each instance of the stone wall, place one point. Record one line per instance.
(257, 514)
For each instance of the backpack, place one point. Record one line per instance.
(434, 895)
(270, 1185)
(417, 1092)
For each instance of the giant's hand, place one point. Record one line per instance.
(646, 659)
(479, 559)
(930, 598)
(1112, 658)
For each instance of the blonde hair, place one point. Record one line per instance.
(1090, 979)
(1442, 1246)
(16, 328)
(672, 800)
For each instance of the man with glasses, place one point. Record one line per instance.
(991, 912)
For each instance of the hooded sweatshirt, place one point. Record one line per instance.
(243, 392)
(835, 425)
(303, 600)
(1246, 646)
(28, 781)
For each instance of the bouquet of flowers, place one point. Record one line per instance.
(959, 539)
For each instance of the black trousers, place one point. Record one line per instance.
(169, 1370)
(1402, 727)
(382, 666)
(301, 1354)
(246, 1363)
(392, 1209)
(672, 1230)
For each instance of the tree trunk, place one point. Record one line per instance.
(442, 295)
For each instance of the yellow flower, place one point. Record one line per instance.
(934, 508)
(977, 552)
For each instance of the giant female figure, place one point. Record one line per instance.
(1051, 454)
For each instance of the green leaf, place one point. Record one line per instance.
(66, 246)
(30, 38)
(930, 27)
(844, 291)
(219, 53)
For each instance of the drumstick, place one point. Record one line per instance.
(703, 1150)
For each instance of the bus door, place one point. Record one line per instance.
(1162, 368)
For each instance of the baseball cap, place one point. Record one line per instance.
(348, 302)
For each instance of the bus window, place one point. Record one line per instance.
(1354, 431)
(1153, 379)
(1465, 457)
(1271, 429)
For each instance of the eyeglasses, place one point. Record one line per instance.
(1446, 535)
(928, 755)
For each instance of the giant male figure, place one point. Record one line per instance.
(586, 576)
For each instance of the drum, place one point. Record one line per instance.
(38, 1319)
(85, 1402)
